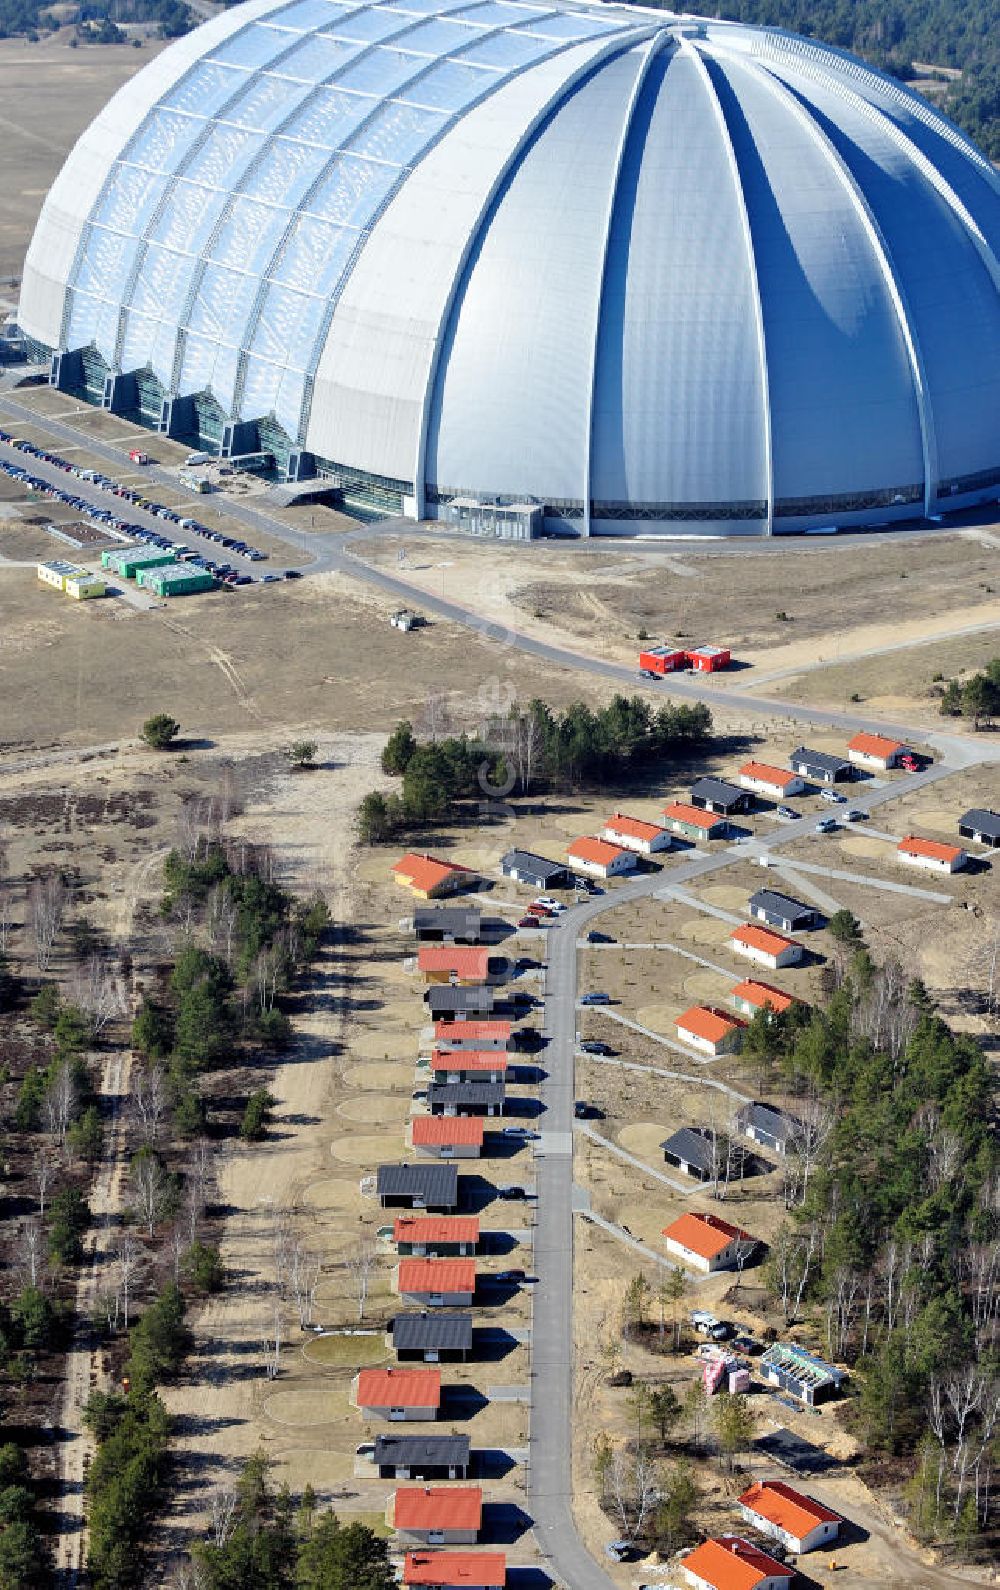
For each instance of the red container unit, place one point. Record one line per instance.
(709, 659)
(662, 660)
(138, 457)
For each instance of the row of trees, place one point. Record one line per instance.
(977, 697)
(521, 752)
(892, 1240)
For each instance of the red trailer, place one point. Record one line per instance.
(709, 659)
(662, 660)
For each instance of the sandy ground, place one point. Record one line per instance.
(933, 588)
(48, 94)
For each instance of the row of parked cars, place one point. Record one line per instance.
(222, 571)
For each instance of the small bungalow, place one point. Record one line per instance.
(436, 1236)
(718, 795)
(446, 1137)
(439, 1515)
(436, 1283)
(789, 1516)
(752, 995)
(598, 859)
(800, 1373)
(694, 823)
(729, 1563)
(770, 1127)
(454, 1570)
(765, 946)
(432, 1337)
(466, 1034)
(428, 877)
(819, 767)
(397, 1393)
(692, 1151)
(535, 871)
(631, 833)
(928, 853)
(421, 1457)
(764, 779)
(476, 1097)
(707, 1242)
(448, 924)
(875, 751)
(469, 1065)
(453, 963)
(710, 1030)
(454, 1002)
(981, 826)
(781, 911)
(433, 1187)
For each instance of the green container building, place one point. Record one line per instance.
(127, 561)
(181, 580)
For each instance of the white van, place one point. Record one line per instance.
(198, 458)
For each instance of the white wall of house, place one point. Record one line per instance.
(785, 957)
(624, 862)
(399, 1415)
(933, 863)
(762, 786)
(822, 1534)
(642, 847)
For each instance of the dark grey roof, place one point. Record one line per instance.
(436, 1185)
(716, 789)
(767, 1118)
(416, 1451)
(434, 1330)
(538, 868)
(459, 920)
(478, 1093)
(445, 996)
(982, 820)
(782, 905)
(818, 759)
(693, 1146)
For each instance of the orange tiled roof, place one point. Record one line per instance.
(430, 1130)
(436, 1228)
(789, 1509)
(730, 1563)
(705, 1235)
(758, 938)
(766, 773)
(681, 812)
(399, 1388)
(424, 872)
(455, 1568)
(874, 745)
(464, 961)
(634, 827)
(437, 1275)
(438, 1507)
(456, 1030)
(763, 995)
(912, 845)
(469, 1060)
(595, 850)
(706, 1022)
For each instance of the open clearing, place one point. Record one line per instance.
(48, 94)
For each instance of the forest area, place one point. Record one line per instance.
(959, 35)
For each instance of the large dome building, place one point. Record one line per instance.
(655, 274)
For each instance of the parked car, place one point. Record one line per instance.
(581, 1109)
(855, 815)
(833, 797)
(827, 826)
(911, 763)
(596, 999)
(510, 1275)
(523, 1132)
(510, 1190)
(596, 1046)
(529, 922)
(593, 937)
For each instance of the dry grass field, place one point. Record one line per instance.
(48, 94)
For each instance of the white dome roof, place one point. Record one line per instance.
(648, 270)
